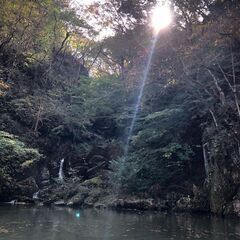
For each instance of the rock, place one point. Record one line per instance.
(93, 182)
(233, 208)
(3, 230)
(220, 190)
(78, 199)
(184, 204)
(200, 205)
(27, 187)
(60, 203)
(92, 172)
(19, 163)
(195, 204)
(78, 171)
(164, 205)
(134, 203)
(45, 175)
(44, 183)
(93, 197)
(237, 196)
(100, 206)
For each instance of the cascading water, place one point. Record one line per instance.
(35, 195)
(60, 173)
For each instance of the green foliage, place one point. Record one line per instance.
(107, 97)
(46, 57)
(158, 154)
(15, 156)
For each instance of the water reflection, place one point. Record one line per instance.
(69, 224)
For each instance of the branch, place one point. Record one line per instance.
(63, 43)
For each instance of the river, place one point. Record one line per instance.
(42, 223)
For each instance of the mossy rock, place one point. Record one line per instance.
(93, 182)
(17, 162)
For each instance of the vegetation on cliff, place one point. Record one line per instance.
(68, 90)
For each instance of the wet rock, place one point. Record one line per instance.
(3, 230)
(93, 182)
(100, 206)
(233, 208)
(27, 187)
(79, 198)
(184, 204)
(164, 205)
(19, 163)
(134, 203)
(44, 183)
(237, 196)
(45, 175)
(194, 204)
(60, 203)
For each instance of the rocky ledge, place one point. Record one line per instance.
(96, 193)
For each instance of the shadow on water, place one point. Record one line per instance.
(24, 223)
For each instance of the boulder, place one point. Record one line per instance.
(184, 204)
(60, 203)
(134, 203)
(27, 187)
(79, 198)
(233, 208)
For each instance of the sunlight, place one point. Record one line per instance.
(161, 18)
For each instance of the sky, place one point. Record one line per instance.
(93, 21)
(87, 1)
(161, 17)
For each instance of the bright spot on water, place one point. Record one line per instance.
(77, 215)
(161, 18)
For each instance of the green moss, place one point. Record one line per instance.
(15, 155)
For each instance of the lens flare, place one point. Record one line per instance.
(161, 18)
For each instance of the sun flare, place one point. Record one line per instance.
(161, 18)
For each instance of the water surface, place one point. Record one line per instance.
(25, 223)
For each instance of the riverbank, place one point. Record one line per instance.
(96, 193)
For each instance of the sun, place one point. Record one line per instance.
(161, 18)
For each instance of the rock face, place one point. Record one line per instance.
(74, 193)
(233, 208)
(27, 187)
(222, 170)
(19, 166)
(135, 203)
(23, 174)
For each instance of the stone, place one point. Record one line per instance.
(79, 198)
(93, 182)
(27, 187)
(134, 203)
(184, 204)
(60, 203)
(233, 208)
(100, 206)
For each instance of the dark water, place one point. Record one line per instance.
(25, 223)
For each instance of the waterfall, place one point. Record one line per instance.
(13, 202)
(35, 195)
(60, 173)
